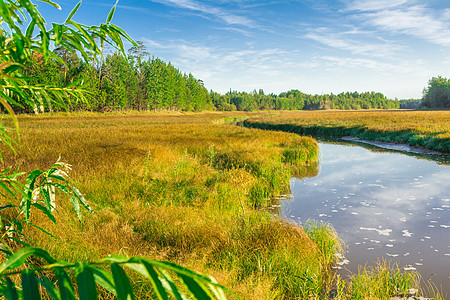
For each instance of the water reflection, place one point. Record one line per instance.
(383, 205)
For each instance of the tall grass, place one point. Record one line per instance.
(429, 129)
(180, 188)
(382, 282)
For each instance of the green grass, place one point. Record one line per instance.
(380, 282)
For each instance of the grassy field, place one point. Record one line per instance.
(429, 129)
(191, 189)
(186, 189)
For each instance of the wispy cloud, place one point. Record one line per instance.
(353, 41)
(375, 5)
(243, 68)
(405, 17)
(228, 17)
(353, 63)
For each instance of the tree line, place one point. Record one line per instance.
(141, 82)
(119, 82)
(296, 100)
(437, 94)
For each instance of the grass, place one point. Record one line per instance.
(188, 188)
(183, 188)
(429, 129)
(383, 281)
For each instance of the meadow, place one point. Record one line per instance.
(429, 129)
(181, 188)
(195, 190)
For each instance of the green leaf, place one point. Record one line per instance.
(198, 291)
(76, 206)
(86, 282)
(18, 258)
(81, 198)
(7, 189)
(105, 279)
(51, 3)
(30, 29)
(19, 241)
(111, 13)
(45, 210)
(43, 230)
(122, 283)
(66, 290)
(11, 291)
(30, 286)
(49, 286)
(73, 12)
(156, 282)
(61, 187)
(170, 286)
(28, 191)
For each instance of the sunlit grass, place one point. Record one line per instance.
(382, 281)
(183, 188)
(186, 188)
(430, 129)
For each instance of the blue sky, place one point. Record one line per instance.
(316, 46)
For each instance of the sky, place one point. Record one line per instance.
(318, 47)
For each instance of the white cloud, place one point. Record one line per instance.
(375, 5)
(225, 16)
(404, 17)
(416, 21)
(353, 41)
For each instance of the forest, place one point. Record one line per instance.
(141, 82)
(437, 94)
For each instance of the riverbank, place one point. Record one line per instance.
(427, 129)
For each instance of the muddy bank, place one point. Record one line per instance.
(395, 146)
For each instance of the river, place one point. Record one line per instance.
(383, 205)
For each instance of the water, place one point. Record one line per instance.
(382, 205)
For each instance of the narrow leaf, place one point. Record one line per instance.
(51, 3)
(197, 290)
(170, 286)
(45, 210)
(122, 283)
(73, 12)
(49, 286)
(156, 282)
(30, 286)
(81, 198)
(76, 206)
(111, 13)
(86, 282)
(43, 230)
(104, 279)
(19, 258)
(10, 290)
(66, 290)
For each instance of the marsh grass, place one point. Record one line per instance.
(429, 129)
(383, 281)
(180, 187)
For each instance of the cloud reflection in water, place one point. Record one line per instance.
(383, 205)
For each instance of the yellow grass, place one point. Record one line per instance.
(430, 129)
(184, 188)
